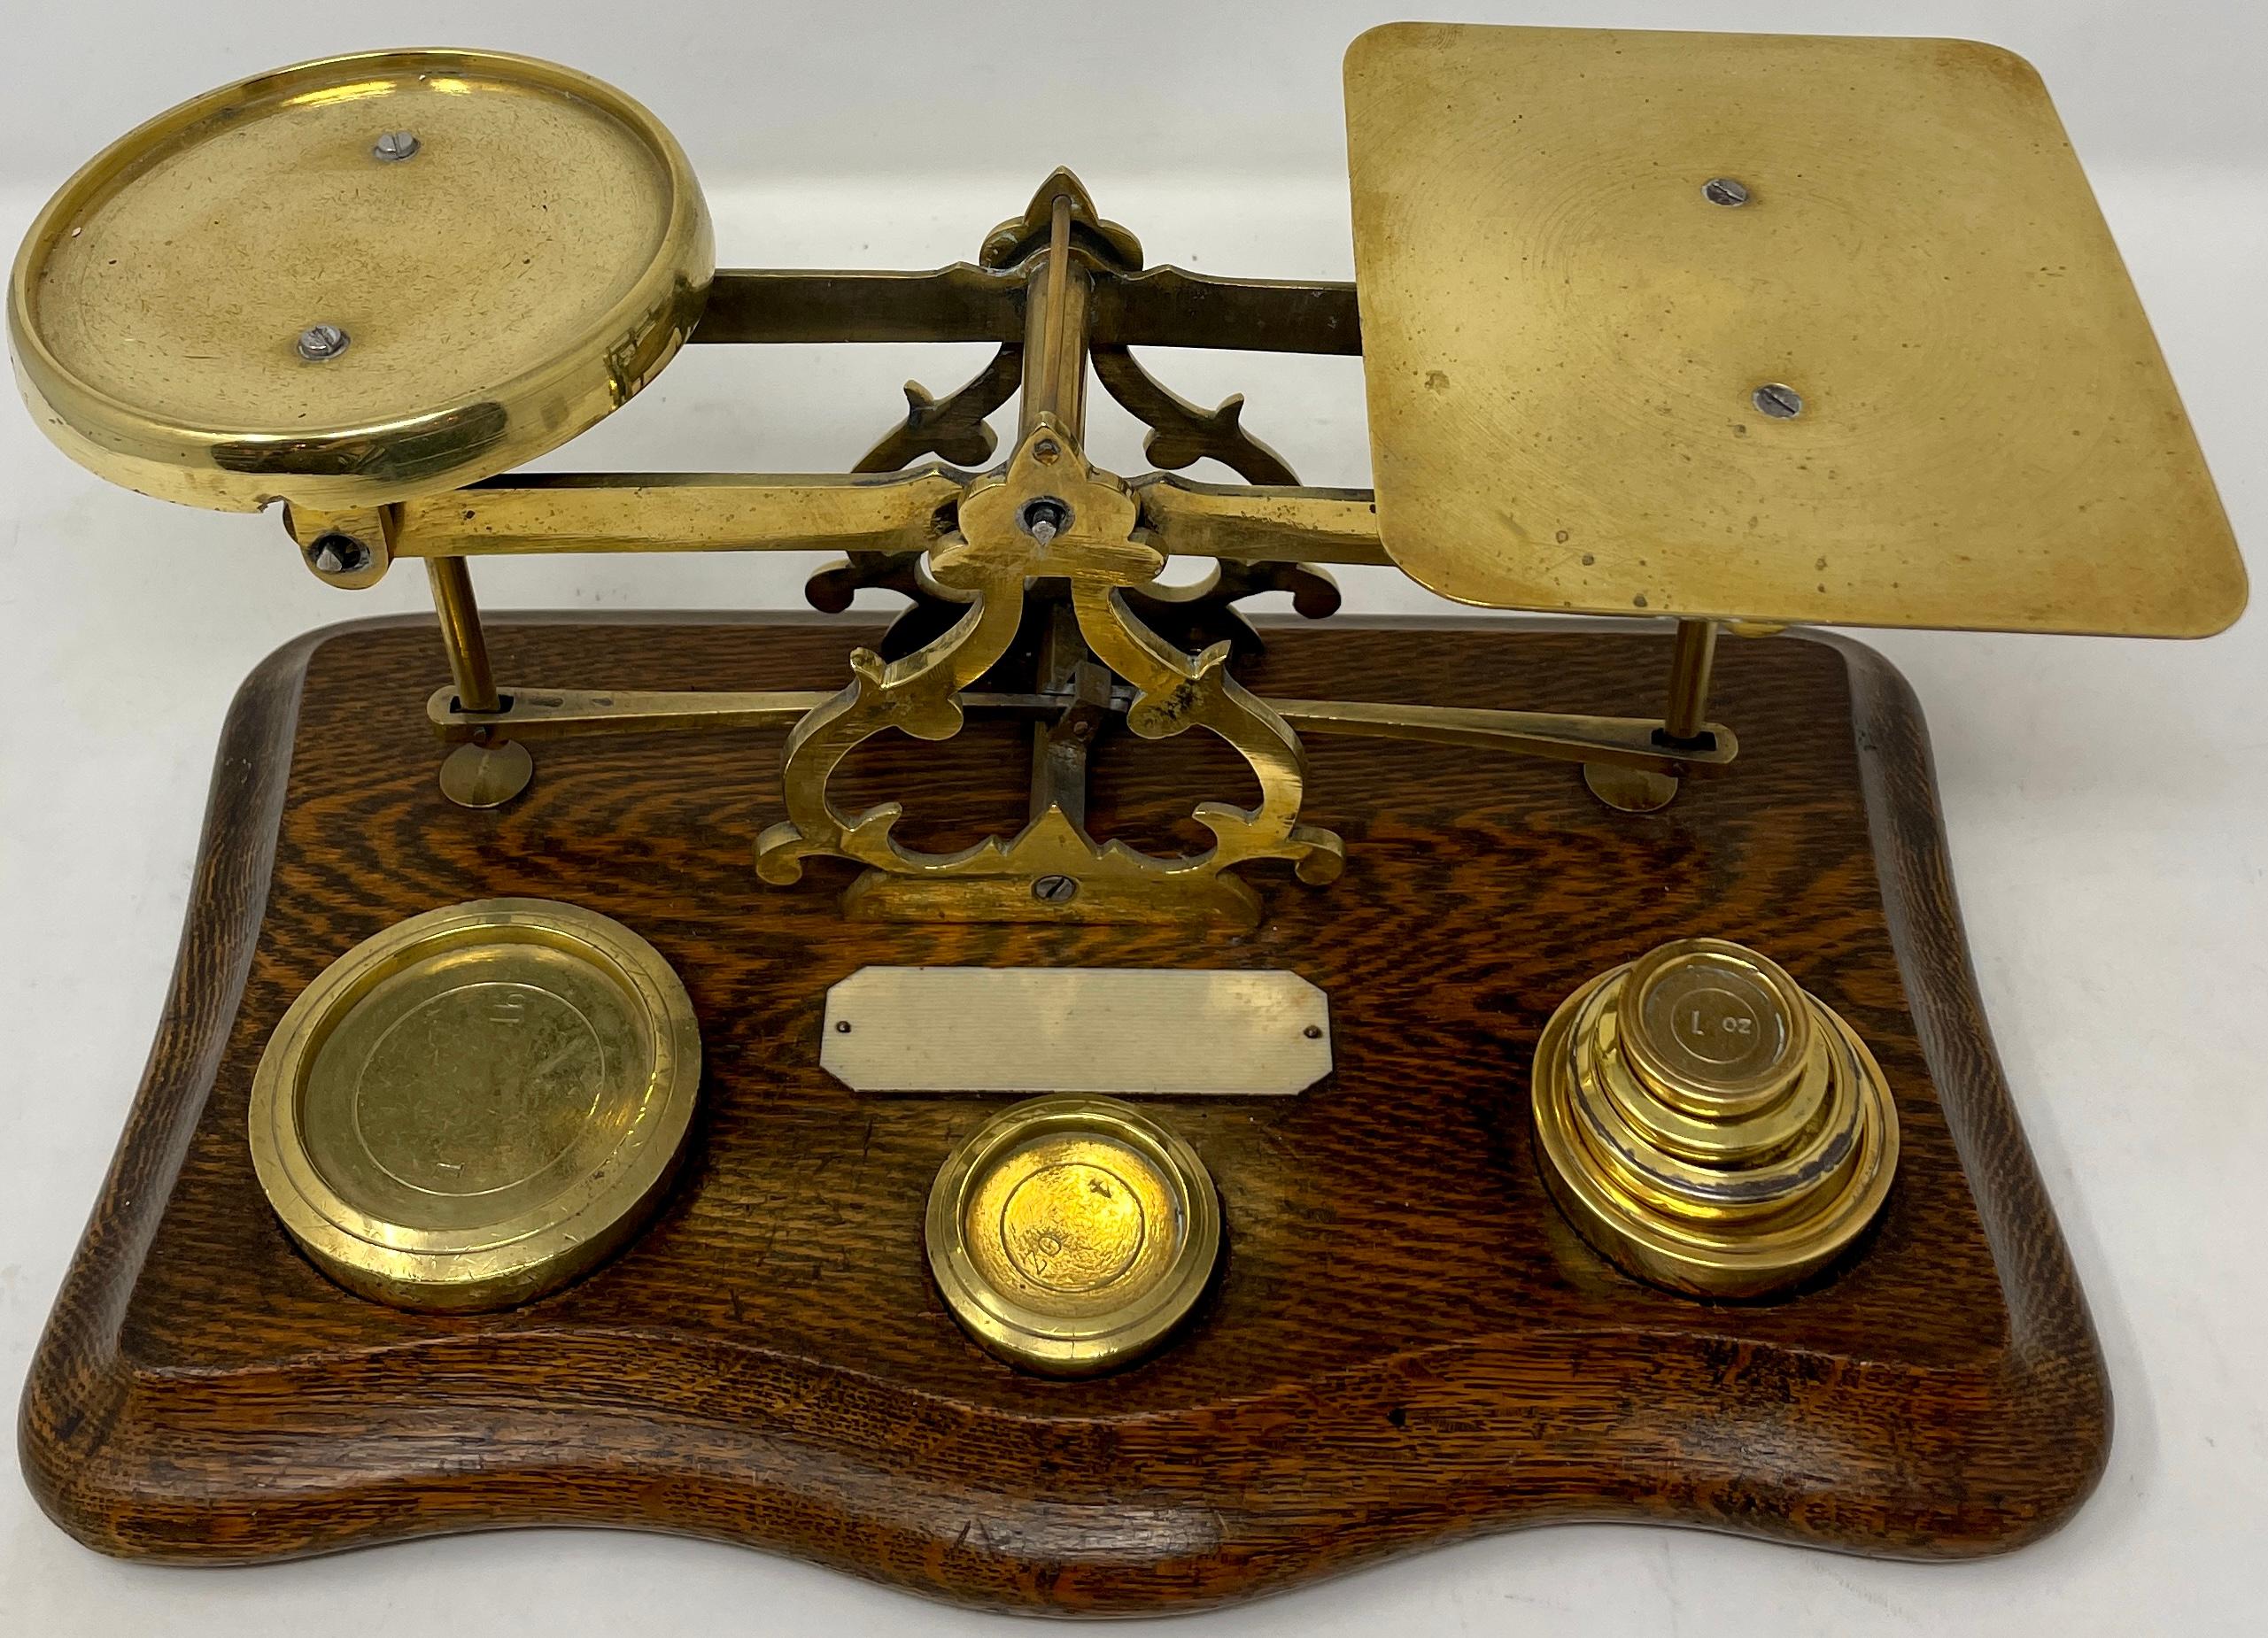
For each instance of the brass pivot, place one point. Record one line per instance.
(489, 770)
(1685, 727)
(1707, 1125)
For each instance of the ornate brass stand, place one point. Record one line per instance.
(1032, 585)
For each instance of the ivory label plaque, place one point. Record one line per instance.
(1138, 1031)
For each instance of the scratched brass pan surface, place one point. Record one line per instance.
(477, 1104)
(1566, 328)
(537, 255)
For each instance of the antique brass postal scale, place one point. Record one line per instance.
(1075, 1099)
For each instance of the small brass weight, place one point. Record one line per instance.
(1071, 1235)
(1009, 1209)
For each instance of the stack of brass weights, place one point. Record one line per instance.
(1708, 1125)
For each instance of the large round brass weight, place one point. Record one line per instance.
(1707, 1125)
(476, 1105)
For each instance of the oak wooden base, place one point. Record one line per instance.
(1406, 1344)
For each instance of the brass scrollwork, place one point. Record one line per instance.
(917, 694)
(1180, 433)
(1034, 589)
(1049, 516)
(954, 427)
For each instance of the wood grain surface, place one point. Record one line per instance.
(1405, 1344)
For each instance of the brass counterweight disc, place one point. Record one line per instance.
(1070, 1234)
(359, 280)
(476, 1105)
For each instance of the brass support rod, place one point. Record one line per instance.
(1622, 741)
(1627, 741)
(1259, 523)
(1162, 307)
(461, 633)
(1055, 333)
(560, 712)
(959, 303)
(1055, 388)
(1059, 750)
(1690, 663)
(550, 512)
(1068, 672)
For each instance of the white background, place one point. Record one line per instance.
(2103, 797)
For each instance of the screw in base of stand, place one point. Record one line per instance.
(1630, 790)
(486, 776)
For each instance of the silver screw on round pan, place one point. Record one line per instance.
(1727, 191)
(319, 341)
(1055, 889)
(396, 146)
(1780, 403)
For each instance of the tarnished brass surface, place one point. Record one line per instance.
(1621, 741)
(530, 266)
(1709, 1126)
(1162, 307)
(1189, 518)
(477, 1104)
(1182, 433)
(899, 511)
(1070, 1236)
(1170, 306)
(1616, 741)
(1098, 550)
(487, 773)
(1048, 522)
(954, 427)
(558, 714)
(679, 512)
(1563, 335)
(1630, 790)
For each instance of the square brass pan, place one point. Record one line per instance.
(1564, 333)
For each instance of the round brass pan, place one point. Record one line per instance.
(503, 250)
(476, 1105)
